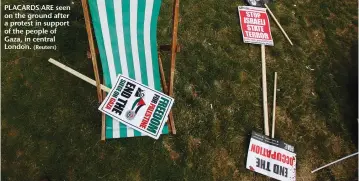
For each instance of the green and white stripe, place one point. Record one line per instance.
(125, 31)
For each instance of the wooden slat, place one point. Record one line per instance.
(164, 87)
(173, 57)
(77, 74)
(103, 119)
(103, 126)
(162, 74)
(92, 48)
(264, 91)
(174, 45)
(172, 124)
(280, 27)
(274, 103)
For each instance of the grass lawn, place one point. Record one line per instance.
(50, 125)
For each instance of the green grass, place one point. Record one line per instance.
(50, 124)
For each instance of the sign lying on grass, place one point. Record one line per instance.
(137, 106)
(271, 157)
(255, 25)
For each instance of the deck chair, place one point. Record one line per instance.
(125, 32)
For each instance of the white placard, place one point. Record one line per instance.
(137, 106)
(271, 157)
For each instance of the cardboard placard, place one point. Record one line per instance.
(137, 106)
(255, 25)
(271, 157)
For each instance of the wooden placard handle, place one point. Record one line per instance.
(280, 27)
(264, 90)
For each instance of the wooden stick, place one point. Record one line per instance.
(103, 124)
(174, 45)
(274, 103)
(172, 124)
(92, 48)
(163, 78)
(94, 64)
(264, 90)
(335, 162)
(173, 57)
(78, 74)
(103, 119)
(280, 27)
(165, 88)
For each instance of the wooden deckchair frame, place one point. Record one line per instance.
(174, 49)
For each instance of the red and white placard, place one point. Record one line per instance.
(271, 157)
(255, 25)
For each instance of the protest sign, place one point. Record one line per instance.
(137, 106)
(271, 157)
(255, 25)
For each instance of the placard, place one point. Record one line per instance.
(137, 106)
(271, 157)
(255, 25)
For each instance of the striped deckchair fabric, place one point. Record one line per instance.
(125, 32)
